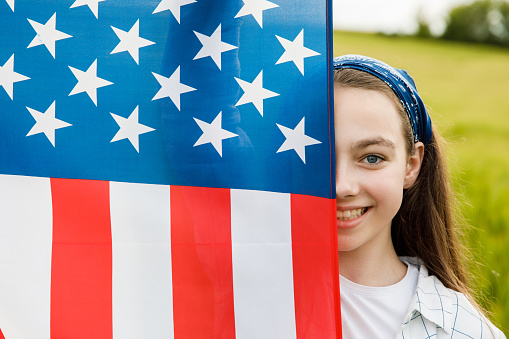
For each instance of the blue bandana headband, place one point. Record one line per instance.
(401, 83)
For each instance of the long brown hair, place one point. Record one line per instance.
(425, 226)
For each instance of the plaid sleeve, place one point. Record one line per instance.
(467, 323)
(438, 312)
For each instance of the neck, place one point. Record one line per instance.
(375, 265)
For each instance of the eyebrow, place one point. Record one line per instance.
(373, 142)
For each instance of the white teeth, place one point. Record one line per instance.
(350, 214)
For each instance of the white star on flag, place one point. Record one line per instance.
(11, 4)
(46, 123)
(173, 6)
(296, 140)
(88, 81)
(213, 133)
(295, 51)
(255, 8)
(171, 87)
(47, 34)
(254, 92)
(8, 77)
(212, 46)
(131, 41)
(92, 4)
(130, 129)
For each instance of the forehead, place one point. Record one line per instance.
(364, 113)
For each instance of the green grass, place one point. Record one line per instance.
(466, 88)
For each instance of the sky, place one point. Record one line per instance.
(391, 16)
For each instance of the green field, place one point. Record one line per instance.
(466, 89)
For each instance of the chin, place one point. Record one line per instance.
(346, 245)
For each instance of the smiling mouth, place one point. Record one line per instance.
(351, 214)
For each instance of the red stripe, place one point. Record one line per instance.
(81, 264)
(1, 334)
(201, 263)
(315, 268)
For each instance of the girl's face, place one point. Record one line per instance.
(372, 167)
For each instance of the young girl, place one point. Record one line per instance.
(399, 257)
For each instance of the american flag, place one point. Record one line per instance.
(166, 170)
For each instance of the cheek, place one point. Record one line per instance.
(386, 189)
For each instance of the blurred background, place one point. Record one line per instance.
(458, 53)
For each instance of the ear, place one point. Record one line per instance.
(414, 165)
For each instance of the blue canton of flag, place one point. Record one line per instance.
(200, 93)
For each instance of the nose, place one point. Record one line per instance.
(347, 184)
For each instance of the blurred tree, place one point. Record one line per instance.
(423, 29)
(485, 21)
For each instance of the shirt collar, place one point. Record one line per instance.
(432, 299)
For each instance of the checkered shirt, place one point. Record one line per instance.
(439, 312)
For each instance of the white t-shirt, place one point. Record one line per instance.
(376, 312)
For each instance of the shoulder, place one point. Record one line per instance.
(438, 311)
(467, 320)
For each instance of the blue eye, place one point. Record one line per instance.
(373, 159)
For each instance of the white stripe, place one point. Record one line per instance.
(142, 282)
(25, 256)
(262, 265)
